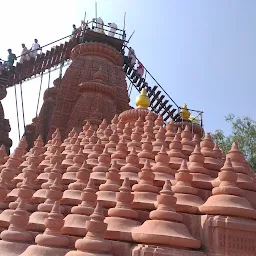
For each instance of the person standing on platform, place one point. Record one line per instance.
(24, 54)
(34, 49)
(10, 59)
(1, 68)
(113, 28)
(84, 25)
(140, 69)
(74, 31)
(132, 56)
(99, 25)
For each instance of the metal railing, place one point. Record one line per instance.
(106, 28)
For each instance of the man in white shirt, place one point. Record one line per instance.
(24, 54)
(35, 47)
(113, 28)
(99, 25)
(132, 56)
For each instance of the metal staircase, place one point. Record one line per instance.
(53, 58)
(161, 102)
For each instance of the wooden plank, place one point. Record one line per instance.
(44, 64)
(130, 70)
(167, 117)
(134, 73)
(166, 109)
(56, 51)
(158, 102)
(141, 80)
(151, 91)
(162, 107)
(126, 60)
(63, 54)
(31, 67)
(144, 85)
(176, 116)
(155, 96)
(170, 114)
(49, 58)
(136, 78)
(58, 59)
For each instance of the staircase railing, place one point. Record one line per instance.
(161, 102)
(49, 59)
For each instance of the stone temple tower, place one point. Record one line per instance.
(93, 88)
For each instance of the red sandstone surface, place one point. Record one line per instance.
(124, 185)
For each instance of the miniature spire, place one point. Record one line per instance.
(171, 130)
(99, 171)
(175, 153)
(165, 225)
(51, 242)
(75, 222)
(107, 191)
(131, 168)
(227, 199)
(122, 219)
(145, 192)
(186, 141)
(161, 167)
(201, 177)
(187, 199)
(121, 152)
(94, 242)
(18, 222)
(146, 152)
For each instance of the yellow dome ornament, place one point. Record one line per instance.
(184, 113)
(142, 100)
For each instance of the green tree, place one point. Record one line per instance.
(244, 133)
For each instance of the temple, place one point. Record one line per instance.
(95, 176)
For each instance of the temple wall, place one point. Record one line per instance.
(228, 236)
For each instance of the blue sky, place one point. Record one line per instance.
(202, 52)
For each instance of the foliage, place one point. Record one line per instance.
(244, 133)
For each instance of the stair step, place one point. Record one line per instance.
(166, 109)
(170, 114)
(158, 102)
(151, 91)
(155, 97)
(176, 116)
(134, 73)
(162, 106)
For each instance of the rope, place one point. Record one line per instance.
(17, 111)
(22, 105)
(40, 88)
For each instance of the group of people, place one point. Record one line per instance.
(99, 27)
(133, 60)
(26, 55)
(77, 31)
